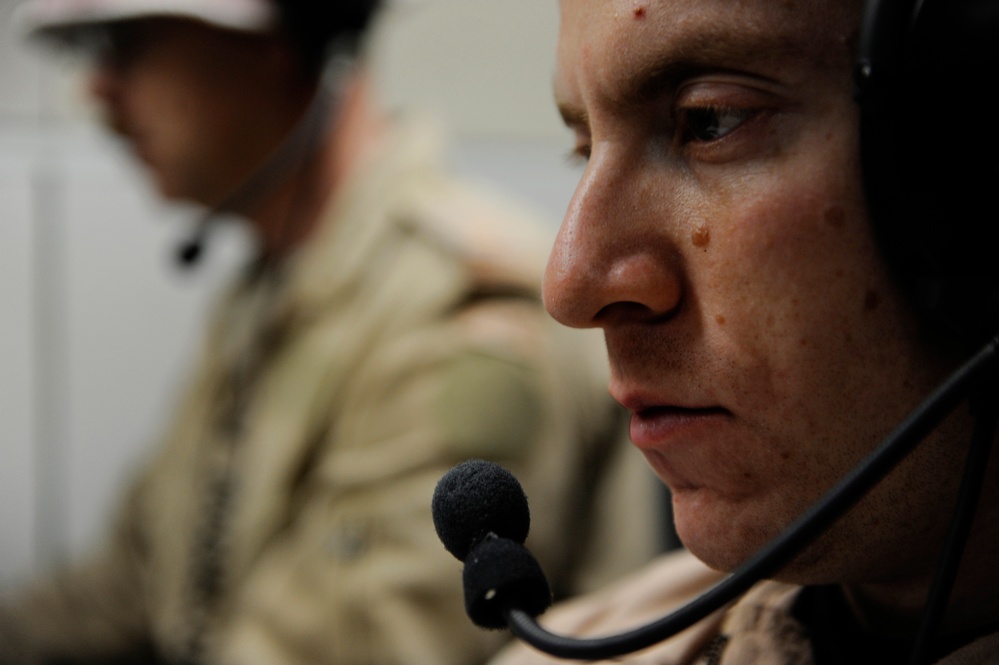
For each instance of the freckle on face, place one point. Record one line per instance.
(701, 237)
(789, 320)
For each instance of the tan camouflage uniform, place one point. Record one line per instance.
(287, 518)
(758, 629)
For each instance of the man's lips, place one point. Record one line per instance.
(657, 426)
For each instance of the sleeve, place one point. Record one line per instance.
(100, 609)
(93, 612)
(358, 576)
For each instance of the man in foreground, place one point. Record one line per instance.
(389, 327)
(722, 238)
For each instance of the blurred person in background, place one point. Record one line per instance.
(389, 326)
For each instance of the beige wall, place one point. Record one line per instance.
(486, 64)
(95, 324)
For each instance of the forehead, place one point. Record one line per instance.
(607, 45)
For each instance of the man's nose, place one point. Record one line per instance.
(103, 80)
(613, 260)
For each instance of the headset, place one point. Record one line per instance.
(928, 168)
(929, 163)
(328, 37)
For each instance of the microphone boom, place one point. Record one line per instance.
(967, 380)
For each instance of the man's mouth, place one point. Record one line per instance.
(660, 425)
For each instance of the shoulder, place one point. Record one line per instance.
(980, 652)
(497, 239)
(468, 213)
(761, 628)
(661, 587)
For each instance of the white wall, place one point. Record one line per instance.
(96, 327)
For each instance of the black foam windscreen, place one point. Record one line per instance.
(501, 574)
(477, 498)
(189, 253)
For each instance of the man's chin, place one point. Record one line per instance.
(720, 547)
(170, 190)
(723, 536)
(167, 191)
(717, 553)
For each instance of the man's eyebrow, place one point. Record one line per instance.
(710, 50)
(693, 53)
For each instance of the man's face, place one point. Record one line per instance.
(199, 106)
(720, 238)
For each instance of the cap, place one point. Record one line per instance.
(58, 18)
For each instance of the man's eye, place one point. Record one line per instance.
(710, 123)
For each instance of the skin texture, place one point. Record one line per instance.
(720, 238)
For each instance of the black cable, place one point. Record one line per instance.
(986, 415)
(296, 148)
(791, 541)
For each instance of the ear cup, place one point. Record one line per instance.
(930, 155)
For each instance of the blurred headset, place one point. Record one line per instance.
(328, 37)
(930, 155)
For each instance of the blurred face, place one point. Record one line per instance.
(199, 106)
(720, 239)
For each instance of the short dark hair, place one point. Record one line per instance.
(315, 24)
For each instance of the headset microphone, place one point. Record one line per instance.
(305, 138)
(477, 499)
(481, 515)
(190, 251)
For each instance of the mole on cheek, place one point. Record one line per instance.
(701, 237)
(639, 12)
